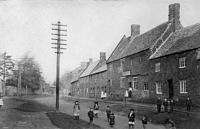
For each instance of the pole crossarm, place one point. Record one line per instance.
(59, 39)
(58, 29)
(58, 44)
(58, 25)
(59, 34)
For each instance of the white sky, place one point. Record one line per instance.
(93, 26)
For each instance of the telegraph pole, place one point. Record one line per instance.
(58, 48)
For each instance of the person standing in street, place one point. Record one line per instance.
(96, 109)
(165, 104)
(159, 104)
(144, 121)
(171, 105)
(188, 103)
(76, 110)
(131, 119)
(112, 120)
(108, 112)
(91, 116)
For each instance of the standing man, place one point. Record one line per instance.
(159, 103)
(188, 103)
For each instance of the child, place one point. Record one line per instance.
(96, 109)
(112, 119)
(108, 111)
(76, 110)
(144, 121)
(131, 118)
(91, 115)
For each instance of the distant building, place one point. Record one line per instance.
(74, 88)
(87, 83)
(98, 78)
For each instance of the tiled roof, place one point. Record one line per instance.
(119, 49)
(89, 69)
(184, 39)
(132, 45)
(145, 40)
(100, 69)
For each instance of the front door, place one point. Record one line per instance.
(171, 88)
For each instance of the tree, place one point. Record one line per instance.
(30, 74)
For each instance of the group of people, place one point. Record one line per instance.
(93, 112)
(167, 105)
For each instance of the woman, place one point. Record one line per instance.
(76, 110)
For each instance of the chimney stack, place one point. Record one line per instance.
(102, 56)
(174, 15)
(135, 30)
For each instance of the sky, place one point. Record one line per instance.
(93, 26)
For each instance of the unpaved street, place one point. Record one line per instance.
(14, 118)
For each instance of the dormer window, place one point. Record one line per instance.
(182, 62)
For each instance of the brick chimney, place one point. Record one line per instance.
(174, 15)
(102, 56)
(135, 30)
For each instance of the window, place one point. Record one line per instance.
(157, 67)
(122, 82)
(135, 83)
(182, 62)
(146, 87)
(158, 88)
(183, 86)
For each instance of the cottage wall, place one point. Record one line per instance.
(170, 70)
(98, 83)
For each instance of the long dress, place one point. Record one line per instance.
(76, 110)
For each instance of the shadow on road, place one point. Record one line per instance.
(64, 121)
(58, 119)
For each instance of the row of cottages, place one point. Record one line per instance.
(93, 79)
(162, 62)
(74, 88)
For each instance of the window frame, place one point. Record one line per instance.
(134, 83)
(160, 85)
(183, 86)
(182, 62)
(146, 86)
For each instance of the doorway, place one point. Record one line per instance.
(171, 88)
